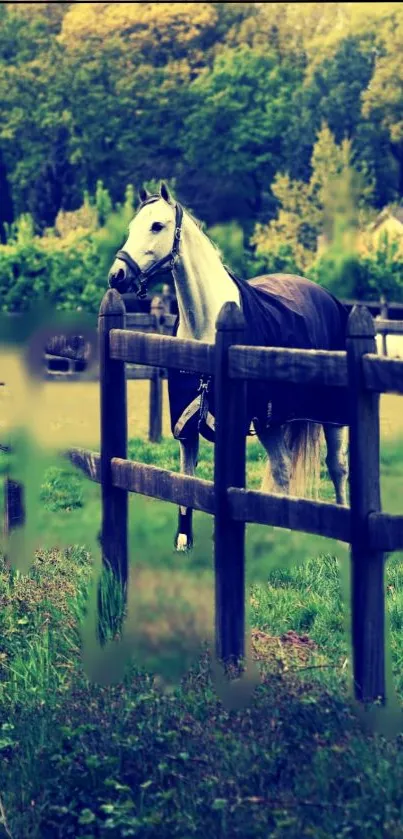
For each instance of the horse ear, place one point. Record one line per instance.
(143, 194)
(164, 192)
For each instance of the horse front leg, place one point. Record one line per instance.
(189, 450)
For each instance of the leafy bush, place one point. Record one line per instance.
(345, 275)
(281, 260)
(385, 266)
(362, 277)
(229, 238)
(68, 266)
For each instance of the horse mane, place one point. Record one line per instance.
(198, 224)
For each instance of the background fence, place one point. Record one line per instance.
(64, 360)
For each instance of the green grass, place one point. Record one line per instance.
(86, 758)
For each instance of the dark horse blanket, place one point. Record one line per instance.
(280, 310)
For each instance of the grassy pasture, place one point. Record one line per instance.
(159, 753)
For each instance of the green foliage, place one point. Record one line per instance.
(229, 239)
(120, 759)
(328, 205)
(385, 266)
(280, 259)
(103, 203)
(226, 101)
(355, 276)
(68, 265)
(345, 275)
(239, 111)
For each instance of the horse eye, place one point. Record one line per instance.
(156, 226)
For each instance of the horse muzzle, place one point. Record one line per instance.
(125, 275)
(118, 278)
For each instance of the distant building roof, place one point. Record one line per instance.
(388, 212)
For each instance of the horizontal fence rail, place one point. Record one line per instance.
(316, 517)
(161, 350)
(388, 327)
(314, 367)
(148, 480)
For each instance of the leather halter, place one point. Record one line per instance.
(143, 276)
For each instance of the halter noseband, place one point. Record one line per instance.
(143, 276)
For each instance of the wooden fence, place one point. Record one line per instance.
(58, 351)
(361, 376)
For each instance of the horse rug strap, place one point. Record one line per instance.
(190, 413)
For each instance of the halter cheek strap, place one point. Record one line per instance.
(143, 276)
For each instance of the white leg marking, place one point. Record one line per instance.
(189, 451)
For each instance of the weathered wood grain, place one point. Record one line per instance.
(14, 505)
(113, 438)
(314, 367)
(139, 372)
(167, 323)
(89, 462)
(383, 316)
(382, 375)
(155, 407)
(367, 576)
(73, 347)
(164, 484)
(388, 327)
(229, 470)
(149, 480)
(161, 351)
(300, 514)
(385, 532)
(142, 321)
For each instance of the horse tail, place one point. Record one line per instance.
(303, 441)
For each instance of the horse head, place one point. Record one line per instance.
(152, 245)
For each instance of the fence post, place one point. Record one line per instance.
(384, 314)
(112, 315)
(14, 509)
(367, 571)
(155, 399)
(229, 470)
(155, 421)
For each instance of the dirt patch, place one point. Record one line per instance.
(287, 651)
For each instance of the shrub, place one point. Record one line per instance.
(281, 260)
(229, 238)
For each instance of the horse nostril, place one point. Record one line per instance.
(116, 278)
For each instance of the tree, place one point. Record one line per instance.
(328, 205)
(233, 134)
(155, 33)
(383, 99)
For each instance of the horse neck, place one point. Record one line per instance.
(202, 284)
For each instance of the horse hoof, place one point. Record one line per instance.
(182, 542)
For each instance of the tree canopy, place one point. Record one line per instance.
(227, 101)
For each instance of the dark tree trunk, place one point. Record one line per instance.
(6, 202)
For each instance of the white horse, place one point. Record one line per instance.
(161, 234)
